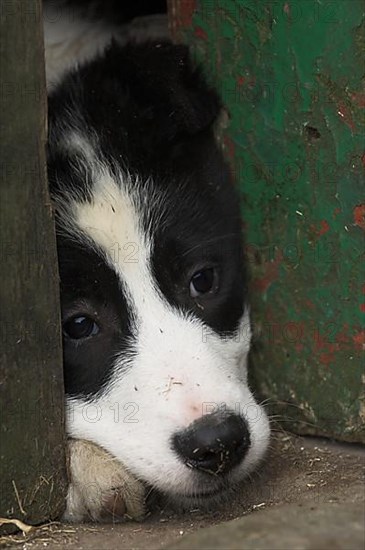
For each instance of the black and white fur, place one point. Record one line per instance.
(146, 211)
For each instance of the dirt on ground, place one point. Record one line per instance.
(297, 470)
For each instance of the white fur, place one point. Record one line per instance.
(181, 369)
(101, 487)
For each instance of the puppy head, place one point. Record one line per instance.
(155, 320)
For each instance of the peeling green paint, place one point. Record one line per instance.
(292, 76)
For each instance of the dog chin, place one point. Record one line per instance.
(203, 500)
(209, 497)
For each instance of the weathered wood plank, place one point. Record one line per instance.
(32, 455)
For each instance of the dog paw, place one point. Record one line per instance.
(101, 489)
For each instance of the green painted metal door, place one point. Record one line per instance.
(291, 73)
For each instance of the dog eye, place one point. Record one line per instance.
(203, 281)
(80, 327)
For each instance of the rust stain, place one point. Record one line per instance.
(229, 147)
(326, 358)
(240, 80)
(359, 216)
(261, 284)
(330, 349)
(359, 339)
(322, 344)
(358, 98)
(186, 13)
(336, 212)
(309, 304)
(344, 341)
(326, 346)
(362, 307)
(322, 229)
(363, 160)
(344, 112)
(200, 33)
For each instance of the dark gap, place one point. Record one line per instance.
(312, 133)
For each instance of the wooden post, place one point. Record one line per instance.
(32, 444)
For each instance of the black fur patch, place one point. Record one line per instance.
(89, 287)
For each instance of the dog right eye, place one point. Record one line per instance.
(204, 281)
(80, 326)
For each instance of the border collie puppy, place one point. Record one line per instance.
(155, 318)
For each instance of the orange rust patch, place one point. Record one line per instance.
(359, 339)
(326, 358)
(329, 349)
(323, 228)
(358, 98)
(187, 9)
(309, 304)
(229, 147)
(359, 215)
(200, 33)
(271, 274)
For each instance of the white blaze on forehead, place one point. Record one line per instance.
(112, 219)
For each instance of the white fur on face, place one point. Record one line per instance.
(179, 370)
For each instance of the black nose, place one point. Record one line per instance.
(214, 444)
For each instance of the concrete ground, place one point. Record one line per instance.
(308, 495)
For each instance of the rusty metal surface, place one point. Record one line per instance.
(292, 76)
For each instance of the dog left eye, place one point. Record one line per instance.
(80, 326)
(203, 282)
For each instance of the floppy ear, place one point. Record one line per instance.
(142, 99)
(169, 90)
